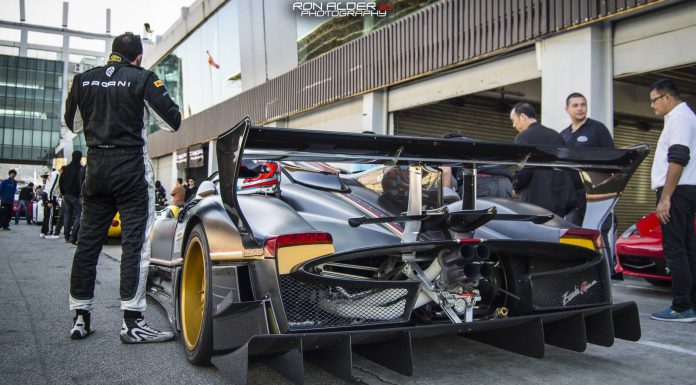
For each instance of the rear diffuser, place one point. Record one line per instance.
(391, 348)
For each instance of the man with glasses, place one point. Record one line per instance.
(111, 104)
(674, 178)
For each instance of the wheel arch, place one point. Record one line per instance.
(221, 233)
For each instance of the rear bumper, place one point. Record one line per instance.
(391, 347)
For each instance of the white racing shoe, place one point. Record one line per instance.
(137, 331)
(81, 328)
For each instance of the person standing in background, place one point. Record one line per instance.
(8, 188)
(191, 188)
(550, 189)
(50, 203)
(583, 132)
(76, 226)
(673, 177)
(160, 194)
(38, 196)
(58, 214)
(26, 195)
(179, 193)
(70, 185)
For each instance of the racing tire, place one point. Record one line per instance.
(659, 282)
(195, 299)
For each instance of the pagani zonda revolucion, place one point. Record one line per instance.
(317, 263)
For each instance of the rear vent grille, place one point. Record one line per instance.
(319, 306)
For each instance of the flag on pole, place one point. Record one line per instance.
(211, 62)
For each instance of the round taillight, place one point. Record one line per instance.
(114, 223)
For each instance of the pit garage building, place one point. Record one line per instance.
(425, 68)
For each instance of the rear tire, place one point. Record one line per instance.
(659, 282)
(195, 299)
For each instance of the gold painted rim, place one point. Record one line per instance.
(193, 294)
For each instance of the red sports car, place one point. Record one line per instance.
(639, 252)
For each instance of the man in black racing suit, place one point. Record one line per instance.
(111, 105)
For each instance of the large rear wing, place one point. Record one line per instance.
(605, 171)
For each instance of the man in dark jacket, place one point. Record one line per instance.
(191, 188)
(550, 189)
(71, 186)
(8, 188)
(76, 225)
(26, 194)
(111, 104)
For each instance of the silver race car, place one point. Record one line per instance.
(286, 254)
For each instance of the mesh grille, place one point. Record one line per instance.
(311, 306)
(644, 265)
(568, 289)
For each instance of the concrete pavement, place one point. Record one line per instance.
(35, 347)
(35, 320)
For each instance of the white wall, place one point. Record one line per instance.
(374, 113)
(163, 172)
(341, 116)
(576, 61)
(655, 41)
(268, 43)
(485, 76)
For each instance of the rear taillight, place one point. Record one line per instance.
(273, 243)
(591, 239)
(114, 223)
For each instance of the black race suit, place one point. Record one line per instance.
(110, 104)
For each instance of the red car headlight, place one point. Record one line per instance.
(630, 231)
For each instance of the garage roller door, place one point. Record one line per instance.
(474, 117)
(637, 200)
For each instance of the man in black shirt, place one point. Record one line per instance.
(26, 194)
(583, 132)
(111, 104)
(71, 186)
(550, 189)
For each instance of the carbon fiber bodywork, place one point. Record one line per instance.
(363, 296)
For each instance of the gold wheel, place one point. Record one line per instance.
(193, 287)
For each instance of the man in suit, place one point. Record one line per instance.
(550, 189)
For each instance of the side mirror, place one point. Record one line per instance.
(207, 188)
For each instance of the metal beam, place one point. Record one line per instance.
(55, 30)
(51, 48)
